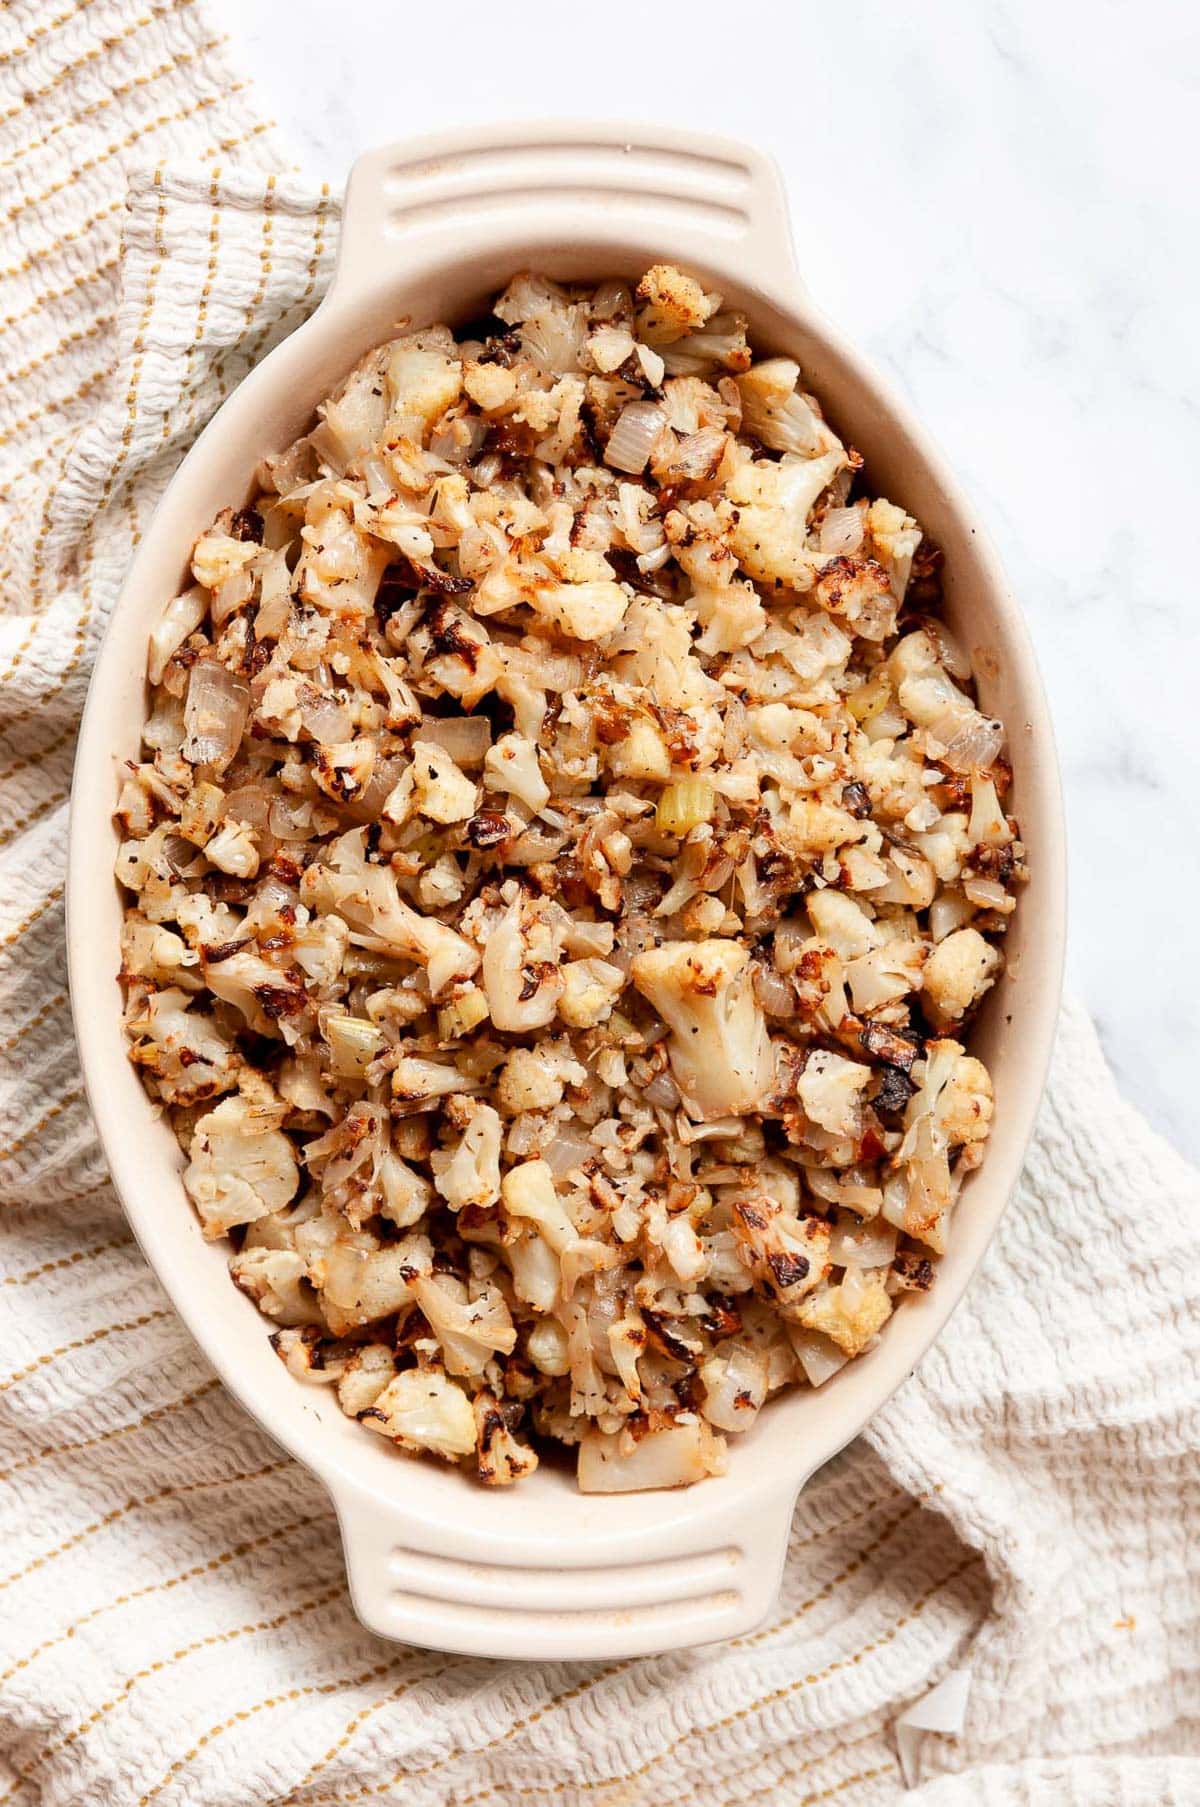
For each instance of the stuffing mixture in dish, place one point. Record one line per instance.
(564, 862)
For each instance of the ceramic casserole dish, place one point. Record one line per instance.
(431, 229)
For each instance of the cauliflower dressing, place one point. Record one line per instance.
(564, 862)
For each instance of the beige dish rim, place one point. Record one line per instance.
(542, 1571)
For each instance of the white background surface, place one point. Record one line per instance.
(999, 202)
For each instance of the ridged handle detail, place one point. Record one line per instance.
(565, 183)
(706, 1577)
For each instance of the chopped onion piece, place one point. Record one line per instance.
(977, 742)
(181, 617)
(553, 338)
(735, 1386)
(950, 911)
(867, 1244)
(378, 477)
(685, 805)
(465, 737)
(632, 439)
(773, 991)
(569, 1149)
(291, 818)
(180, 855)
(535, 846)
(218, 702)
(353, 1043)
(895, 1199)
(841, 531)
(951, 652)
(326, 719)
(611, 299)
(460, 442)
(818, 1356)
(250, 803)
(987, 894)
(545, 667)
(663, 1093)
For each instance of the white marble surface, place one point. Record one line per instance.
(999, 202)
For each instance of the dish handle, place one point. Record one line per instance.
(688, 1577)
(564, 183)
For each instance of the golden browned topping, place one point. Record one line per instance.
(562, 868)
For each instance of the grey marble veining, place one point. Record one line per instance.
(999, 203)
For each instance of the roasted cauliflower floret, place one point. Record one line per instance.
(673, 304)
(471, 1323)
(884, 975)
(720, 1054)
(149, 950)
(858, 592)
(849, 1314)
(232, 849)
(424, 378)
(773, 503)
(635, 1460)
(957, 973)
(966, 1103)
(218, 556)
(843, 923)
(367, 897)
(521, 976)
(421, 1409)
(274, 1279)
(895, 537)
(926, 693)
(470, 1173)
(789, 1255)
(500, 1458)
(777, 414)
(532, 1079)
(364, 1374)
(529, 1193)
(585, 611)
(831, 1089)
(433, 787)
(241, 1165)
(590, 989)
(359, 1285)
(512, 765)
(343, 771)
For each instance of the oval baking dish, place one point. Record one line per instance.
(431, 229)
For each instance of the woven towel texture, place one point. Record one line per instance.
(174, 1626)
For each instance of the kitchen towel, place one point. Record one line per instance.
(1006, 1554)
